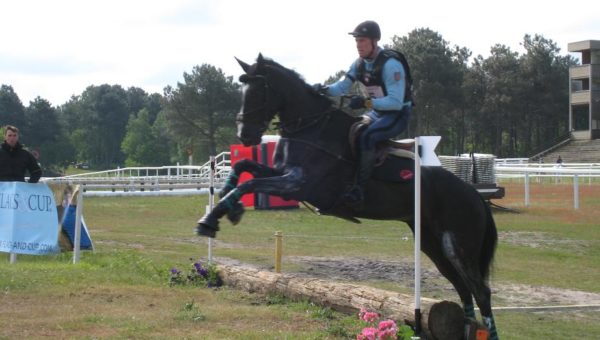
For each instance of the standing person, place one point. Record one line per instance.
(14, 160)
(386, 75)
(559, 160)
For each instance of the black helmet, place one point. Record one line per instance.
(367, 29)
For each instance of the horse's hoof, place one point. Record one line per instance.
(234, 215)
(207, 226)
(202, 230)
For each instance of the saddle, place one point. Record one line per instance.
(400, 148)
(393, 158)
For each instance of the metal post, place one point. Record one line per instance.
(526, 189)
(77, 237)
(278, 250)
(211, 201)
(13, 258)
(417, 236)
(576, 191)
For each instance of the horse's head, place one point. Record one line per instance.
(259, 102)
(271, 89)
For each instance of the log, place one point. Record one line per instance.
(440, 319)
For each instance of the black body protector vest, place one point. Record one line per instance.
(373, 80)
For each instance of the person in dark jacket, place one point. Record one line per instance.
(15, 161)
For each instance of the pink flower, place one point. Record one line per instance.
(387, 330)
(368, 333)
(367, 316)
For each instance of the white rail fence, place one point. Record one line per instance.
(527, 171)
(134, 181)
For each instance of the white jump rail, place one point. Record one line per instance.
(526, 171)
(143, 180)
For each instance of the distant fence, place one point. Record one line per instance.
(526, 172)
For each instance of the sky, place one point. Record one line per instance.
(55, 49)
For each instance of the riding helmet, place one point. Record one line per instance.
(367, 29)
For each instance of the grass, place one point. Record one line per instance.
(121, 290)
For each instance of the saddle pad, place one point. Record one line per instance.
(395, 169)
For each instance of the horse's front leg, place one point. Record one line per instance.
(287, 184)
(245, 165)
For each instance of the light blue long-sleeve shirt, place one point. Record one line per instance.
(393, 76)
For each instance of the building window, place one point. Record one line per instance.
(585, 57)
(580, 85)
(581, 117)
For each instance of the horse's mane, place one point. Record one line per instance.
(296, 76)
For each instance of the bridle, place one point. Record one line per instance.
(248, 117)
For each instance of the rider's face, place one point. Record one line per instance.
(364, 46)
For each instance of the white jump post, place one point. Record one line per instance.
(424, 148)
(211, 200)
(417, 236)
(77, 237)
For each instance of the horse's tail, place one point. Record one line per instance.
(490, 241)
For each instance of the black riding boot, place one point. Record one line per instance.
(355, 197)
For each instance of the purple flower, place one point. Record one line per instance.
(174, 271)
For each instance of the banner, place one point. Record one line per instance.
(28, 219)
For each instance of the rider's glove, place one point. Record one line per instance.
(358, 102)
(320, 88)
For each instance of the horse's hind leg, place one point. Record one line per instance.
(468, 270)
(446, 268)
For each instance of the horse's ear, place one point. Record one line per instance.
(244, 66)
(260, 58)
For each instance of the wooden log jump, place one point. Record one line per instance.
(440, 319)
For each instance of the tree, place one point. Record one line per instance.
(42, 122)
(46, 135)
(546, 75)
(138, 99)
(142, 144)
(201, 111)
(12, 111)
(97, 121)
(501, 109)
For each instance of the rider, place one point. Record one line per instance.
(384, 73)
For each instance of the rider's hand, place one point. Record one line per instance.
(358, 102)
(320, 88)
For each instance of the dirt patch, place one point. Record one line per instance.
(433, 285)
(541, 240)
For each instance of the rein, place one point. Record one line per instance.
(298, 123)
(320, 148)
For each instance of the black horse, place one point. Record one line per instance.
(314, 163)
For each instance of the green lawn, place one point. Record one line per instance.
(121, 290)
